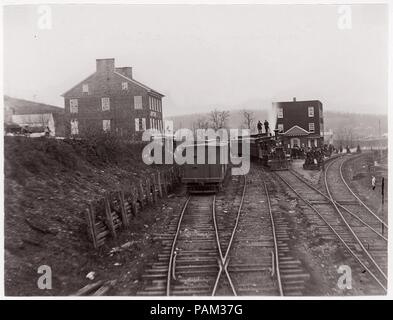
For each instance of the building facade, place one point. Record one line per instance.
(300, 123)
(112, 100)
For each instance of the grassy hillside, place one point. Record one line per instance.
(47, 186)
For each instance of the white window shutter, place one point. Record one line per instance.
(143, 123)
(136, 124)
(73, 105)
(74, 127)
(138, 102)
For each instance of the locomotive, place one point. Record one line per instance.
(269, 151)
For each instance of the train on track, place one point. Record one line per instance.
(212, 160)
(269, 151)
(207, 172)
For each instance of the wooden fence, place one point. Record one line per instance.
(114, 211)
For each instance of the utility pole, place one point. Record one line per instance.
(383, 202)
(379, 128)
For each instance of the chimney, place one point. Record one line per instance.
(294, 99)
(105, 65)
(125, 71)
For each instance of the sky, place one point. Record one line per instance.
(203, 57)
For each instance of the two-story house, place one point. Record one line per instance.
(112, 100)
(300, 123)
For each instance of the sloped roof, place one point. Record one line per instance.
(138, 83)
(116, 72)
(296, 131)
(21, 106)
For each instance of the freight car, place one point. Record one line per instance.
(207, 172)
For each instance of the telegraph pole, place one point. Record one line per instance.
(383, 202)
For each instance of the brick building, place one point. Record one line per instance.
(112, 100)
(300, 123)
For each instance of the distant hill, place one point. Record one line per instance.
(359, 125)
(21, 106)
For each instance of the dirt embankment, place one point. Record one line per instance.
(47, 186)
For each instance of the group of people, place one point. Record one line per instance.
(265, 124)
(314, 156)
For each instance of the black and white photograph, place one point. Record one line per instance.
(212, 150)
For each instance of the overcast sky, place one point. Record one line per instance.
(201, 57)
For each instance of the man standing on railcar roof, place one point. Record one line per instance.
(259, 126)
(266, 124)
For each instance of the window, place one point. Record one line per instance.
(106, 125)
(311, 127)
(74, 126)
(311, 112)
(140, 124)
(280, 127)
(280, 113)
(124, 86)
(105, 104)
(151, 123)
(138, 102)
(312, 143)
(159, 105)
(152, 103)
(73, 105)
(85, 88)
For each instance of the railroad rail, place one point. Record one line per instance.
(222, 245)
(341, 164)
(375, 242)
(335, 217)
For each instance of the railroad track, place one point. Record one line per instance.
(367, 226)
(223, 245)
(337, 222)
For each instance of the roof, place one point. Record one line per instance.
(21, 106)
(296, 131)
(78, 84)
(138, 83)
(298, 101)
(121, 75)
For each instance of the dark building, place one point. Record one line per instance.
(300, 123)
(112, 100)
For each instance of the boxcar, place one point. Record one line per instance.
(206, 175)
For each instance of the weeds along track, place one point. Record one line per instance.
(338, 223)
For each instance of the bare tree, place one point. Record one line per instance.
(219, 119)
(200, 123)
(248, 119)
